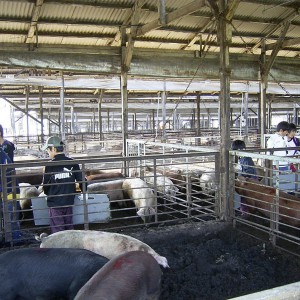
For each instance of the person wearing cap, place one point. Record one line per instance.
(59, 184)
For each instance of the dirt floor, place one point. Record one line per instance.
(216, 262)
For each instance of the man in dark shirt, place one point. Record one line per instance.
(59, 185)
(7, 146)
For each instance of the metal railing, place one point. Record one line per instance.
(268, 207)
(98, 205)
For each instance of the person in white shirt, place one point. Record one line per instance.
(292, 141)
(278, 140)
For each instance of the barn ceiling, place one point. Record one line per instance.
(77, 44)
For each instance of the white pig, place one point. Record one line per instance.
(107, 244)
(142, 196)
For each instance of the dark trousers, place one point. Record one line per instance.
(61, 218)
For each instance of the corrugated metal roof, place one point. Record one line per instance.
(91, 23)
(77, 23)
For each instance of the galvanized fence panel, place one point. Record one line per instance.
(103, 204)
(268, 207)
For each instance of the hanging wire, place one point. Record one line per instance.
(249, 49)
(281, 4)
(207, 44)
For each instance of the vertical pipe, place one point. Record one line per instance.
(193, 119)
(124, 94)
(135, 121)
(263, 95)
(163, 107)
(242, 114)
(41, 114)
(108, 119)
(209, 118)
(27, 112)
(246, 129)
(49, 122)
(12, 121)
(100, 98)
(174, 120)
(269, 113)
(62, 107)
(162, 11)
(72, 120)
(147, 122)
(295, 114)
(157, 118)
(94, 122)
(198, 118)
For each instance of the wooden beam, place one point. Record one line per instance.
(34, 20)
(196, 35)
(287, 43)
(117, 39)
(289, 18)
(231, 8)
(133, 31)
(172, 16)
(277, 48)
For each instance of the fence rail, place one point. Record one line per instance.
(101, 205)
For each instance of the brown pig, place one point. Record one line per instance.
(258, 197)
(134, 275)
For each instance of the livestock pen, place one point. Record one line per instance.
(271, 203)
(196, 235)
(181, 200)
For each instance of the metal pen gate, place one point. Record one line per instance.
(190, 199)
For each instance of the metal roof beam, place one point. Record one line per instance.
(174, 15)
(20, 109)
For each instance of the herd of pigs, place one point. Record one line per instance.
(76, 264)
(205, 263)
(256, 197)
(138, 188)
